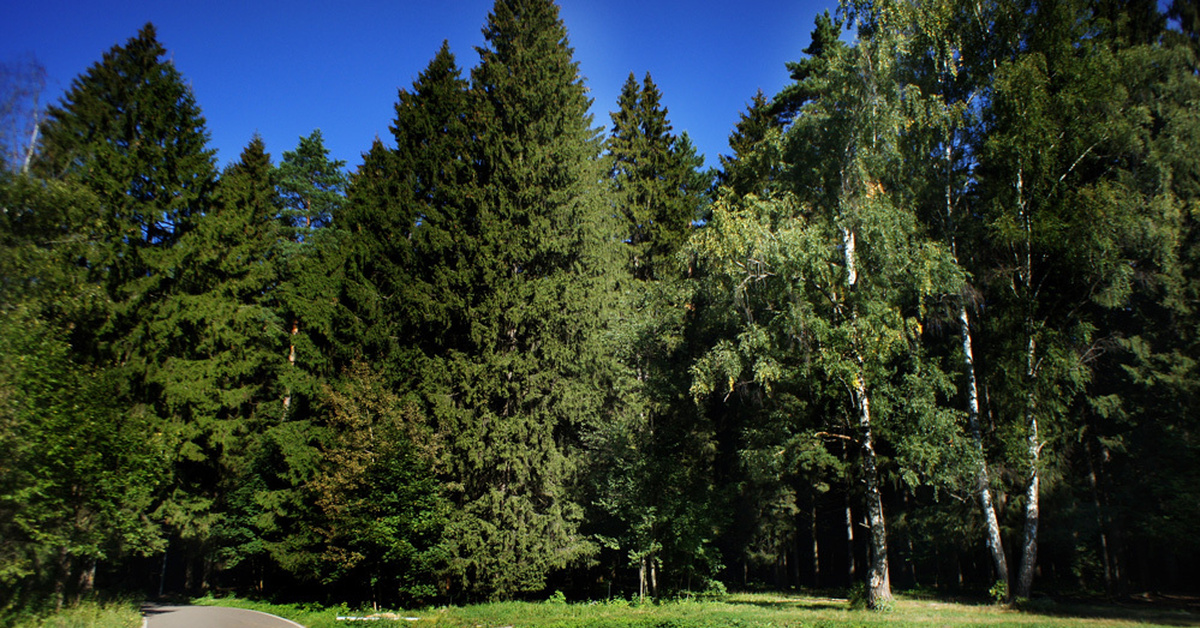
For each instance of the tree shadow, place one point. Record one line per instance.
(1145, 608)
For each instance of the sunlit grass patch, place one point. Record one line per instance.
(751, 610)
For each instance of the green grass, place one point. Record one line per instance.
(87, 614)
(737, 611)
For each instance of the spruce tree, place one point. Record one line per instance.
(513, 395)
(131, 131)
(752, 167)
(650, 468)
(653, 177)
(217, 348)
(409, 238)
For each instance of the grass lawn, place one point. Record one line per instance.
(736, 610)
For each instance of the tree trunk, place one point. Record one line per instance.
(287, 399)
(162, 576)
(1032, 491)
(1033, 446)
(816, 553)
(653, 579)
(1101, 520)
(982, 479)
(87, 578)
(879, 586)
(60, 578)
(851, 573)
(642, 579)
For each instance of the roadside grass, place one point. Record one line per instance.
(757, 610)
(86, 614)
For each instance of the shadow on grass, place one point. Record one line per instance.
(1165, 610)
(809, 600)
(1156, 609)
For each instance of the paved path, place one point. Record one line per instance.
(211, 617)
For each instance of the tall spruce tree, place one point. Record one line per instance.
(411, 244)
(218, 347)
(130, 130)
(655, 443)
(514, 393)
(654, 174)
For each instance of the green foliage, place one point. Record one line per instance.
(116, 131)
(999, 592)
(498, 357)
(527, 374)
(79, 475)
(381, 508)
(80, 471)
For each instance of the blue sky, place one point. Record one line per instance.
(283, 69)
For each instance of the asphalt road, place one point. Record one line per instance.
(211, 617)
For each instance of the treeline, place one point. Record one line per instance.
(933, 323)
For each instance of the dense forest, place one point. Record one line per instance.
(933, 323)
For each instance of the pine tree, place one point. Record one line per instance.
(312, 188)
(513, 394)
(217, 347)
(650, 465)
(311, 185)
(130, 130)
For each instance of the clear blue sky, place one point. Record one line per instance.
(285, 68)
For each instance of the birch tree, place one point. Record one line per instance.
(832, 271)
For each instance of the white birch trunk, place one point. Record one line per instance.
(879, 587)
(1033, 489)
(850, 569)
(982, 479)
(1033, 446)
(287, 399)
